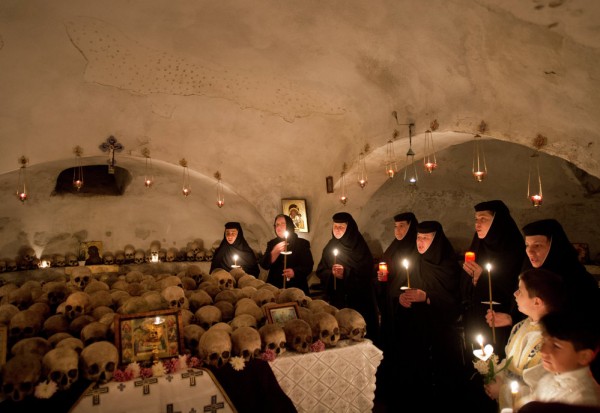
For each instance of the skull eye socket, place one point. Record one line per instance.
(336, 331)
(213, 356)
(93, 369)
(225, 354)
(325, 333)
(77, 279)
(355, 331)
(182, 300)
(28, 330)
(194, 343)
(7, 388)
(173, 303)
(309, 339)
(297, 340)
(282, 344)
(205, 325)
(246, 354)
(26, 386)
(73, 373)
(110, 366)
(55, 376)
(68, 307)
(271, 346)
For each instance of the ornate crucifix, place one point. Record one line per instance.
(111, 146)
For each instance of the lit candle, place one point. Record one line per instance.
(235, 258)
(285, 256)
(514, 390)
(489, 270)
(335, 253)
(405, 264)
(383, 268)
(469, 256)
(480, 341)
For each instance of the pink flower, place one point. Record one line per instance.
(317, 346)
(145, 372)
(194, 362)
(268, 355)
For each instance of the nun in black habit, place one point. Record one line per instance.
(299, 264)
(497, 241)
(430, 363)
(233, 243)
(350, 282)
(404, 246)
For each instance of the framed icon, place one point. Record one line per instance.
(280, 313)
(296, 209)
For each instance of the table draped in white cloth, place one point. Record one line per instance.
(192, 390)
(340, 379)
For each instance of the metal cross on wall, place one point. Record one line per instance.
(111, 146)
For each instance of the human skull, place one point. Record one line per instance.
(246, 343)
(77, 304)
(208, 255)
(98, 361)
(139, 257)
(72, 343)
(32, 346)
(325, 328)
(129, 254)
(162, 255)
(272, 338)
(190, 256)
(298, 335)
(120, 258)
(171, 255)
(72, 260)
(29, 255)
(224, 278)
(200, 255)
(263, 296)
(57, 323)
(20, 374)
(215, 347)
(243, 320)
(208, 316)
(48, 260)
(56, 292)
(108, 258)
(21, 298)
(7, 311)
(195, 247)
(60, 260)
(174, 296)
(2, 265)
(199, 298)
(93, 332)
(352, 324)
(191, 337)
(11, 265)
(227, 310)
(80, 278)
(293, 294)
(154, 247)
(24, 324)
(248, 306)
(61, 365)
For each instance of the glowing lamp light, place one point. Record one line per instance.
(186, 191)
(430, 166)
(479, 175)
(147, 183)
(220, 203)
(22, 196)
(536, 200)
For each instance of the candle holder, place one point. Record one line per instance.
(235, 258)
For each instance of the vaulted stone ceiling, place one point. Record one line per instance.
(278, 95)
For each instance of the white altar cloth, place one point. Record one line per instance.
(340, 379)
(185, 391)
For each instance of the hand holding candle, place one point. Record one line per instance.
(405, 265)
(335, 253)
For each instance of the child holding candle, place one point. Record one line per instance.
(539, 292)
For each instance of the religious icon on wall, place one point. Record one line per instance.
(296, 209)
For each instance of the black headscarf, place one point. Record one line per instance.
(437, 273)
(300, 259)
(223, 256)
(398, 250)
(355, 290)
(502, 247)
(562, 257)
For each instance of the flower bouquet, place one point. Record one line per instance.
(488, 367)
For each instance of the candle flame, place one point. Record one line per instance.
(286, 234)
(488, 266)
(480, 339)
(514, 387)
(335, 252)
(405, 263)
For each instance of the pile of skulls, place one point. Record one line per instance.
(63, 329)
(192, 252)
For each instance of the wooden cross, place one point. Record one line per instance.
(146, 383)
(214, 406)
(111, 146)
(96, 391)
(192, 375)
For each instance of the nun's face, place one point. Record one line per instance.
(400, 229)
(424, 241)
(537, 248)
(483, 223)
(231, 235)
(280, 227)
(339, 229)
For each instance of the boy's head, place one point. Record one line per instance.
(571, 340)
(540, 291)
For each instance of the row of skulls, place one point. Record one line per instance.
(193, 252)
(68, 324)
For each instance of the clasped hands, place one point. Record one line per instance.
(338, 271)
(412, 295)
